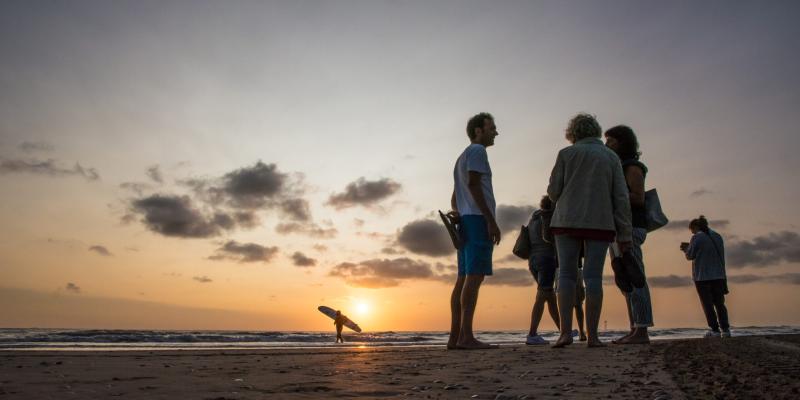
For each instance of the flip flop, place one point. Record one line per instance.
(450, 224)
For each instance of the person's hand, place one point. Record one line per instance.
(624, 246)
(684, 246)
(454, 216)
(494, 232)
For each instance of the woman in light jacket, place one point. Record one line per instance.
(707, 252)
(623, 141)
(592, 210)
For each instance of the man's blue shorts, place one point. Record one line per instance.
(475, 254)
(543, 269)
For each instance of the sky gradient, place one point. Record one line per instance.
(233, 165)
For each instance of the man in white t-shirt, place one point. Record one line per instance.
(473, 202)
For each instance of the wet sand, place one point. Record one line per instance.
(737, 368)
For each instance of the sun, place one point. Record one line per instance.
(362, 308)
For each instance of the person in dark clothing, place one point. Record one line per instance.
(706, 250)
(623, 141)
(339, 322)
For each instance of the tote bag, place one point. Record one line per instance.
(654, 216)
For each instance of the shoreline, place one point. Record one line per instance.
(739, 367)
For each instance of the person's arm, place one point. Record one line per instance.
(556, 179)
(621, 207)
(635, 179)
(475, 189)
(691, 251)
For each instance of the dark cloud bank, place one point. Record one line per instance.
(244, 252)
(763, 251)
(230, 202)
(364, 193)
(301, 260)
(510, 218)
(426, 237)
(683, 224)
(383, 273)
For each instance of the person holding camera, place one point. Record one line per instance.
(706, 250)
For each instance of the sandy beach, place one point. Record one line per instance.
(737, 368)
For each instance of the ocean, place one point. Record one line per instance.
(102, 339)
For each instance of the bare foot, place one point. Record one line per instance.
(618, 340)
(564, 340)
(595, 343)
(475, 344)
(635, 339)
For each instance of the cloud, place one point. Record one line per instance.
(176, 216)
(254, 187)
(683, 224)
(510, 218)
(244, 252)
(301, 260)
(71, 287)
(510, 277)
(136, 187)
(320, 247)
(310, 229)
(100, 250)
(789, 278)
(699, 192)
(382, 273)
(763, 251)
(48, 167)
(391, 251)
(32, 147)
(426, 237)
(202, 279)
(296, 209)
(154, 173)
(509, 259)
(669, 281)
(364, 193)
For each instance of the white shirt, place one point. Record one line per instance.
(474, 158)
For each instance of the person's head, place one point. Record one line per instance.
(623, 141)
(481, 129)
(338, 313)
(699, 224)
(545, 203)
(582, 126)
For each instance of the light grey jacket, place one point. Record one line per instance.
(588, 186)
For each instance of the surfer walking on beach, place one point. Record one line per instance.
(339, 322)
(473, 203)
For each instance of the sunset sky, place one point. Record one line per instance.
(234, 165)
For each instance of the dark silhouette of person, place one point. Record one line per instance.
(339, 322)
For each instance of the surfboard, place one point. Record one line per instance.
(332, 314)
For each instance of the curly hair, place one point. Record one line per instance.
(628, 144)
(477, 121)
(583, 126)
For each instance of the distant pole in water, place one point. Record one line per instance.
(605, 325)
